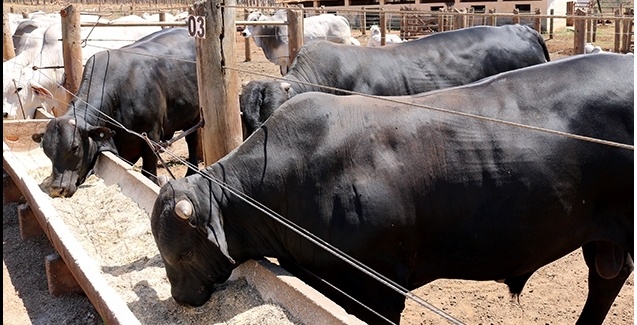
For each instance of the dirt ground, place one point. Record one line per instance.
(554, 295)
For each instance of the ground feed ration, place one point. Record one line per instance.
(116, 232)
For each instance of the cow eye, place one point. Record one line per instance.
(188, 255)
(19, 89)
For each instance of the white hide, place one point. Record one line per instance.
(275, 47)
(27, 35)
(26, 89)
(590, 48)
(155, 17)
(374, 39)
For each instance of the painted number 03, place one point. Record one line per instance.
(197, 26)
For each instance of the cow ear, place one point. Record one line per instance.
(100, 133)
(37, 137)
(162, 180)
(40, 91)
(285, 85)
(214, 229)
(217, 235)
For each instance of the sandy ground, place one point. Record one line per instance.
(554, 295)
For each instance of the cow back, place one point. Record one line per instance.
(437, 61)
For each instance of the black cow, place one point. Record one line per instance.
(148, 87)
(418, 194)
(441, 60)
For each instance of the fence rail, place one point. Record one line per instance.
(414, 23)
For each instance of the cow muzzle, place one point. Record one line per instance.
(61, 191)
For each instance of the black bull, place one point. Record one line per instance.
(147, 87)
(438, 61)
(417, 194)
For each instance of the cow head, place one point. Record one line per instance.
(25, 90)
(374, 29)
(188, 229)
(258, 100)
(249, 29)
(72, 148)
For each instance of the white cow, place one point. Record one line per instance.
(590, 48)
(273, 40)
(27, 35)
(374, 39)
(26, 89)
(155, 17)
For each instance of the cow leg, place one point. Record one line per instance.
(383, 300)
(192, 140)
(149, 163)
(601, 292)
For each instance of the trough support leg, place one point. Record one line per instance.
(29, 225)
(59, 278)
(10, 191)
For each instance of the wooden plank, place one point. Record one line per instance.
(11, 192)
(105, 299)
(72, 53)
(29, 225)
(59, 278)
(8, 52)
(297, 297)
(219, 88)
(41, 113)
(295, 33)
(579, 33)
(12, 130)
(132, 183)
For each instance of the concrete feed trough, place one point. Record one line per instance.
(103, 235)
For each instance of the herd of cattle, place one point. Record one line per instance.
(467, 154)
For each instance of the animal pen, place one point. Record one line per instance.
(80, 262)
(75, 268)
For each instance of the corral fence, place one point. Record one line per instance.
(413, 23)
(583, 25)
(219, 95)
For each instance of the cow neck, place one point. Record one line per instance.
(256, 233)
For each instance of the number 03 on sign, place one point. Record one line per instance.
(197, 26)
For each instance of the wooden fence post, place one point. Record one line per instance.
(491, 17)
(516, 16)
(618, 29)
(460, 19)
(626, 39)
(363, 22)
(8, 52)
(570, 11)
(580, 32)
(295, 33)
(537, 24)
(594, 30)
(248, 55)
(589, 27)
(382, 23)
(441, 21)
(72, 52)
(218, 87)
(551, 24)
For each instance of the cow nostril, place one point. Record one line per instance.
(5, 115)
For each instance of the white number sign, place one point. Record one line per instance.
(197, 26)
